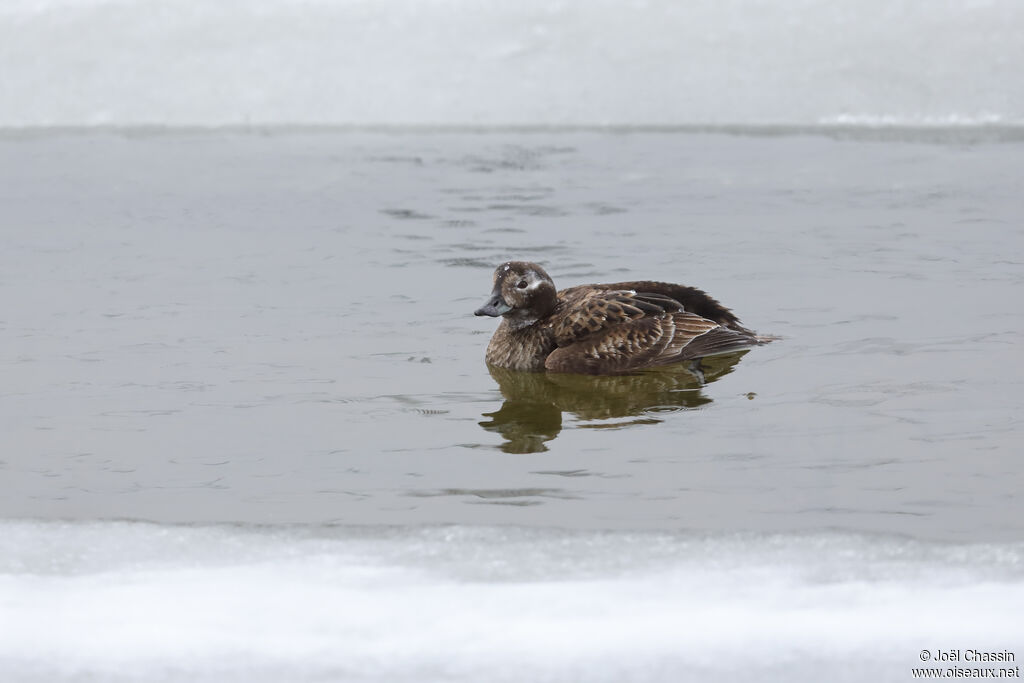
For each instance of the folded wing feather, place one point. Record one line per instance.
(618, 331)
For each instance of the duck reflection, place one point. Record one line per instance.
(534, 401)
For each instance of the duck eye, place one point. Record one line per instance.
(521, 284)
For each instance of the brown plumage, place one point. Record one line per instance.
(605, 329)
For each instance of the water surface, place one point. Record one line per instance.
(277, 327)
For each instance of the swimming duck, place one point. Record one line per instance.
(604, 329)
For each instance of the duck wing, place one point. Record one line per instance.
(585, 310)
(690, 299)
(618, 331)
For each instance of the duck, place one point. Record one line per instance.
(604, 329)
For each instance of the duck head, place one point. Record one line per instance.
(523, 293)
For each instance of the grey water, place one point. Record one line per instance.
(275, 326)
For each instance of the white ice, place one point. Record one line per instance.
(118, 601)
(525, 62)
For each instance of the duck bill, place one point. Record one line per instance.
(494, 307)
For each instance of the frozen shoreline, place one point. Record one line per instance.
(124, 601)
(569, 62)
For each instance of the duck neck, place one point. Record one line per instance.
(520, 320)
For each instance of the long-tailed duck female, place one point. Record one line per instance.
(605, 329)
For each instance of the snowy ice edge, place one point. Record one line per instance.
(77, 546)
(867, 127)
(573, 62)
(140, 601)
